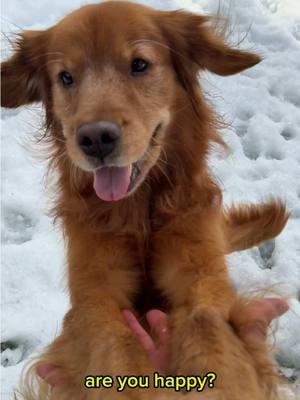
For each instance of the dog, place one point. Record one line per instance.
(130, 131)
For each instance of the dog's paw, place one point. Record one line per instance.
(196, 339)
(150, 394)
(204, 341)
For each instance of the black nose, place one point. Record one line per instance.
(98, 139)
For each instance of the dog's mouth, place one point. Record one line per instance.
(114, 183)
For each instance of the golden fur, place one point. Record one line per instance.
(164, 244)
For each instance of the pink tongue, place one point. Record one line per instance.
(111, 183)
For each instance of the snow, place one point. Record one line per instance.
(263, 108)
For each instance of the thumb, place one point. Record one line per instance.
(158, 322)
(51, 374)
(254, 318)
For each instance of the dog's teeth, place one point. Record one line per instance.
(134, 173)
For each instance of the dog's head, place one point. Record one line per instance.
(110, 75)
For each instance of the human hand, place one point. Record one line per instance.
(253, 321)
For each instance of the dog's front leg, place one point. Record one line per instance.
(190, 270)
(188, 262)
(103, 274)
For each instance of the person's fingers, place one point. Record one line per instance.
(51, 374)
(158, 322)
(258, 314)
(274, 308)
(158, 350)
(143, 337)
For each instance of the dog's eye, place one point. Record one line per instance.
(138, 65)
(66, 78)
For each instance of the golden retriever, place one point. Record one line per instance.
(130, 131)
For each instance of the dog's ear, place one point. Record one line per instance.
(21, 75)
(192, 38)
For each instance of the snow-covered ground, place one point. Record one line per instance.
(263, 106)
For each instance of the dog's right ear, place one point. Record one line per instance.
(22, 74)
(198, 46)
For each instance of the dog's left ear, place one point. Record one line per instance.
(22, 75)
(192, 38)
